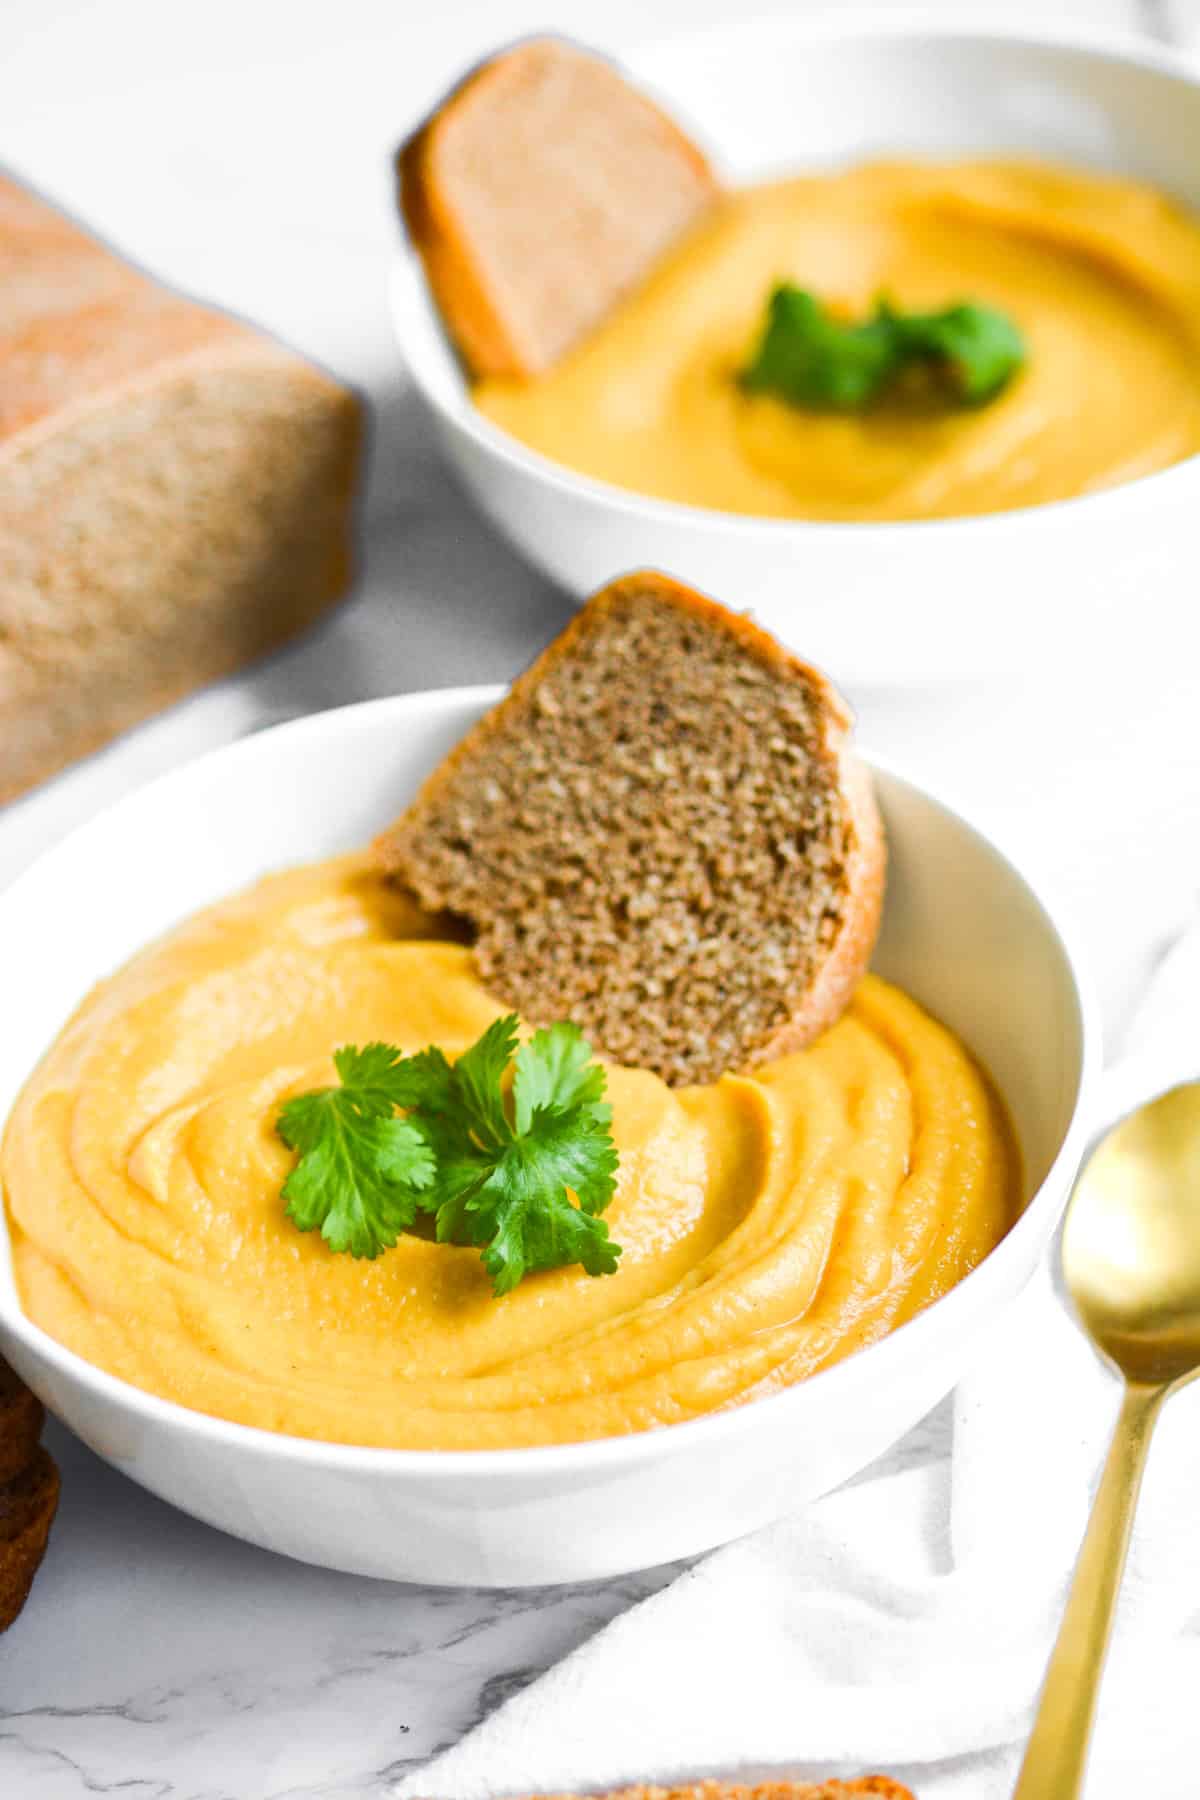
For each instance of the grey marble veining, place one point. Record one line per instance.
(160, 1658)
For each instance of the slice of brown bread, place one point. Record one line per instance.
(176, 492)
(882, 1787)
(29, 1486)
(21, 1419)
(27, 1509)
(661, 833)
(540, 191)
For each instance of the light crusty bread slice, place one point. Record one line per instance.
(175, 492)
(661, 833)
(881, 1787)
(540, 191)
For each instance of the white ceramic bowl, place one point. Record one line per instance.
(963, 931)
(875, 603)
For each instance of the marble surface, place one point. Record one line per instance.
(241, 150)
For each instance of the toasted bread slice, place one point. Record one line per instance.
(21, 1418)
(540, 191)
(660, 833)
(882, 1787)
(29, 1485)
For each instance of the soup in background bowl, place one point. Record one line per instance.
(952, 589)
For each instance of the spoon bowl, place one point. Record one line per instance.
(1131, 1246)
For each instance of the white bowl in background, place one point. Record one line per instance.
(875, 603)
(963, 931)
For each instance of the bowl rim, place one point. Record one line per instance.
(596, 1455)
(408, 288)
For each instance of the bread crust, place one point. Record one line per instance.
(847, 962)
(123, 400)
(467, 307)
(489, 342)
(78, 324)
(849, 955)
(881, 1787)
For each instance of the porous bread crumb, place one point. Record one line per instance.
(652, 835)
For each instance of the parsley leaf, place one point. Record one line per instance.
(554, 1074)
(812, 359)
(475, 1084)
(523, 1212)
(978, 349)
(362, 1171)
(561, 1142)
(521, 1174)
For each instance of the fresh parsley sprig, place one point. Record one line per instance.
(522, 1174)
(363, 1174)
(813, 359)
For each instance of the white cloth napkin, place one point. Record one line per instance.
(902, 1624)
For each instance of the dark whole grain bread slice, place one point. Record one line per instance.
(21, 1418)
(29, 1486)
(540, 191)
(661, 832)
(881, 1787)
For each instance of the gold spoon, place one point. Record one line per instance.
(1131, 1258)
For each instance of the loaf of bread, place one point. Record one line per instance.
(175, 492)
(660, 833)
(541, 190)
(28, 1493)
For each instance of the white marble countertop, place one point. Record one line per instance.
(241, 150)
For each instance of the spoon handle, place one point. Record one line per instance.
(1056, 1755)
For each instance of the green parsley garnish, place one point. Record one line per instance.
(522, 1174)
(362, 1171)
(811, 358)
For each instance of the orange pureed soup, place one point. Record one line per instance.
(772, 1223)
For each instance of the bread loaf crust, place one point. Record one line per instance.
(176, 492)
